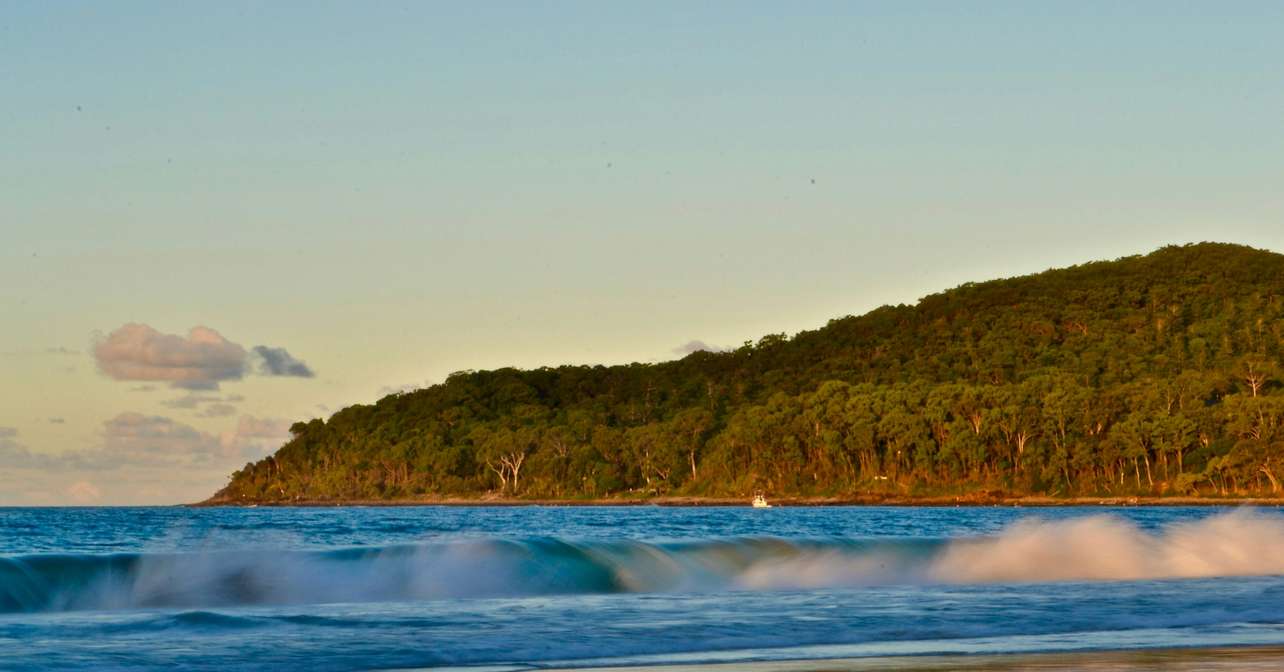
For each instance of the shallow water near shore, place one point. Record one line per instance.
(542, 587)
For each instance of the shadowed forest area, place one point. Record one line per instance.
(1148, 375)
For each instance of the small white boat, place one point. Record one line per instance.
(759, 501)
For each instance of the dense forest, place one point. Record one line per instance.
(1148, 375)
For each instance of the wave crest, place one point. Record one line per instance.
(1093, 548)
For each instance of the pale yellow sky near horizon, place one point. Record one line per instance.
(69, 398)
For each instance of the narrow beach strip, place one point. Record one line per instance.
(1228, 659)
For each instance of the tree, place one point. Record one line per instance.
(1256, 371)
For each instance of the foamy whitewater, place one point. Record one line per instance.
(372, 588)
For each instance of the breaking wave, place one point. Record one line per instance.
(1094, 548)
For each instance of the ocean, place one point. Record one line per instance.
(519, 588)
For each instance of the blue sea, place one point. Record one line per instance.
(536, 587)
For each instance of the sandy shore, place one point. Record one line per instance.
(1238, 659)
(861, 500)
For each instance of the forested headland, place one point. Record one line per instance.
(1149, 375)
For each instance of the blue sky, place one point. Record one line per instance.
(394, 191)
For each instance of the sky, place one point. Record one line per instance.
(217, 219)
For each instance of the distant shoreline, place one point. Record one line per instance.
(787, 502)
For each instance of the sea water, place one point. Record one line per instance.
(530, 587)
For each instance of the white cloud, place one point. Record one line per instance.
(697, 345)
(199, 361)
(202, 360)
(403, 389)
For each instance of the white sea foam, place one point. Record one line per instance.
(1092, 548)
(1101, 548)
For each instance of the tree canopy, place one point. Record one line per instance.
(1154, 374)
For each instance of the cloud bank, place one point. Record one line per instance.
(14, 454)
(201, 360)
(137, 458)
(134, 440)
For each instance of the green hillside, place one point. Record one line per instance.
(1153, 374)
